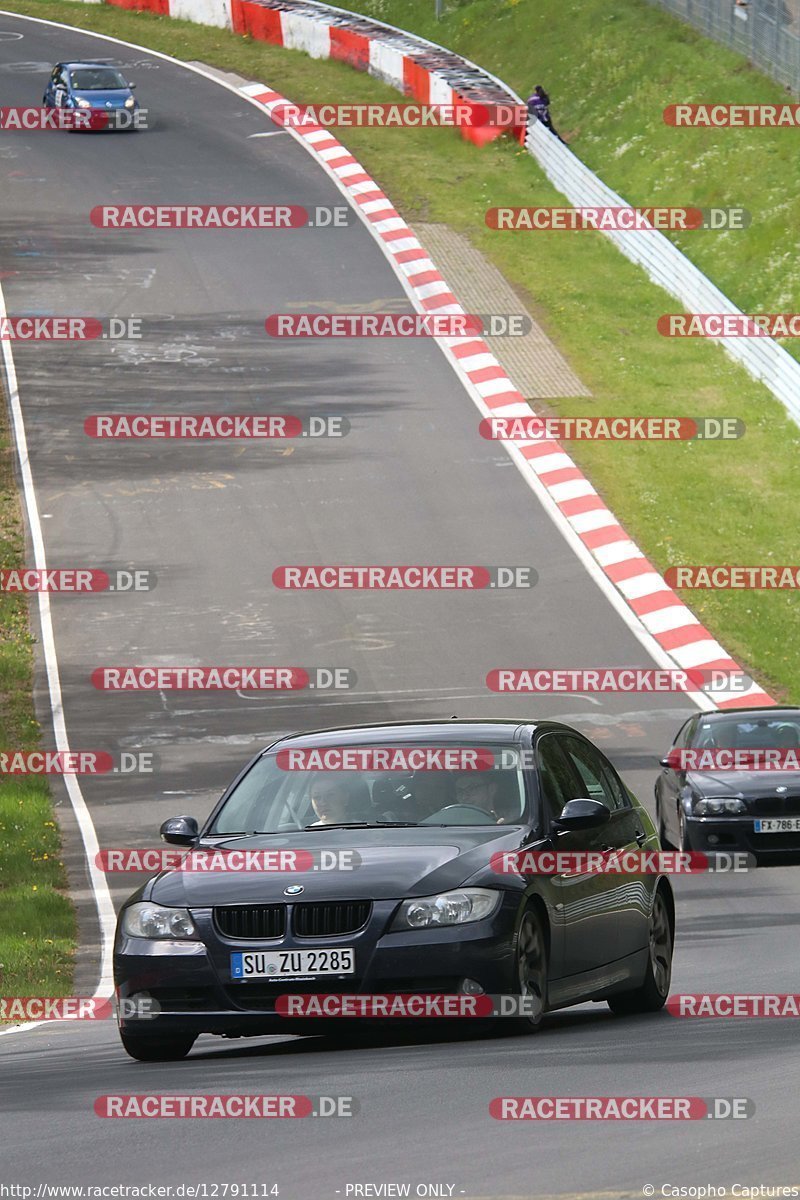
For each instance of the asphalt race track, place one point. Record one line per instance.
(411, 483)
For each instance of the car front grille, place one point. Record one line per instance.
(775, 806)
(260, 921)
(331, 918)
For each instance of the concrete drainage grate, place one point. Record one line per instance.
(532, 362)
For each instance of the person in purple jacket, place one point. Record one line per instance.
(539, 106)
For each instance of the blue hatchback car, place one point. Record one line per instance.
(97, 87)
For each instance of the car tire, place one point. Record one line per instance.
(652, 994)
(157, 1049)
(530, 969)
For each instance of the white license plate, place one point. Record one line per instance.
(290, 964)
(778, 825)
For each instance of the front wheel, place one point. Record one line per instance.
(652, 994)
(157, 1049)
(531, 971)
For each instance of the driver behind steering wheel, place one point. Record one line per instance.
(481, 789)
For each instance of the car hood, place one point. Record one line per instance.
(101, 99)
(750, 784)
(390, 863)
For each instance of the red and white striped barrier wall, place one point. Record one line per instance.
(679, 638)
(417, 68)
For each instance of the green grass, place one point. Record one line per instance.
(37, 920)
(611, 73)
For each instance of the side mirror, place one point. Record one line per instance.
(132, 87)
(673, 760)
(582, 814)
(180, 831)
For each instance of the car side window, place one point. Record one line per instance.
(557, 783)
(596, 773)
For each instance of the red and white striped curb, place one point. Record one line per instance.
(659, 611)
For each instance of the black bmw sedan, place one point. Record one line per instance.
(731, 783)
(372, 861)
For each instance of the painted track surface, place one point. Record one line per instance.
(412, 483)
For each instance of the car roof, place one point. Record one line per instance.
(764, 711)
(453, 730)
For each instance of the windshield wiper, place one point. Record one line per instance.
(363, 825)
(231, 837)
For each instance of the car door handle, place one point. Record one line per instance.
(641, 837)
(606, 849)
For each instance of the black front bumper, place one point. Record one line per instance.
(191, 984)
(737, 835)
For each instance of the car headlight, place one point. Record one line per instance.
(155, 921)
(81, 103)
(450, 908)
(718, 806)
(129, 103)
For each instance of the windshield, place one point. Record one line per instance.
(97, 79)
(751, 733)
(291, 789)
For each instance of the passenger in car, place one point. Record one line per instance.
(337, 801)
